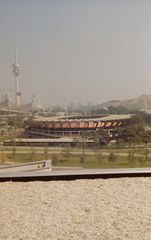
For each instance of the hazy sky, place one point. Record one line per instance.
(77, 50)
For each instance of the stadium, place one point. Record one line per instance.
(74, 127)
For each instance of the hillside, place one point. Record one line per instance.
(143, 102)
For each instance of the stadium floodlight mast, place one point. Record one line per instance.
(16, 73)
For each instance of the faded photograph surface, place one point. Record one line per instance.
(75, 119)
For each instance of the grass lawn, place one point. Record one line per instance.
(75, 157)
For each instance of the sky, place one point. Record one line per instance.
(76, 50)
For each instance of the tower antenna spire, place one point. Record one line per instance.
(16, 73)
(16, 56)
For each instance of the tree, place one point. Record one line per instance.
(84, 136)
(66, 153)
(146, 137)
(55, 160)
(131, 158)
(2, 154)
(137, 156)
(13, 148)
(119, 143)
(134, 133)
(102, 137)
(82, 159)
(32, 153)
(46, 151)
(111, 157)
(137, 119)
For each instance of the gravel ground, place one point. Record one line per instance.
(81, 209)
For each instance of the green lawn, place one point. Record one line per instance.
(76, 157)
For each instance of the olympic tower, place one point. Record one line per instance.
(16, 73)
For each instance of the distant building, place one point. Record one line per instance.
(75, 127)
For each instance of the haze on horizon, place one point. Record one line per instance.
(77, 51)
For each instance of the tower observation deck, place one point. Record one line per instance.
(16, 73)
